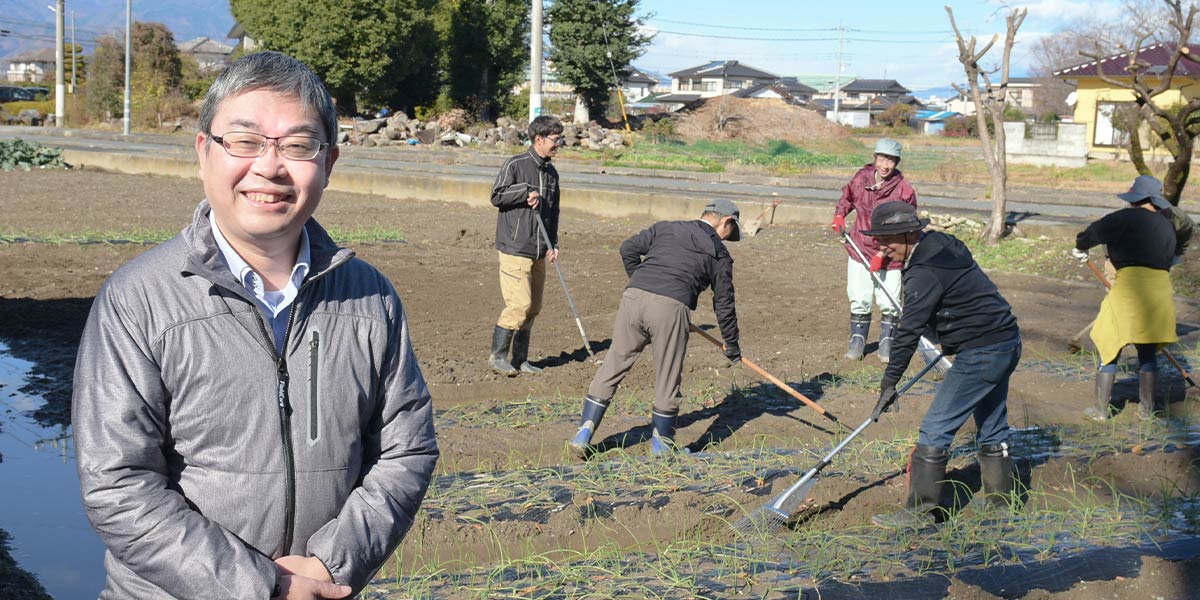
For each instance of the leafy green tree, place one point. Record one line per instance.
(483, 48)
(582, 34)
(370, 51)
(157, 74)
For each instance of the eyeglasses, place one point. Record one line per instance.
(244, 144)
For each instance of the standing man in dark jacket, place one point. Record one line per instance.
(944, 288)
(668, 265)
(871, 186)
(250, 420)
(526, 192)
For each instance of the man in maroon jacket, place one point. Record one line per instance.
(871, 186)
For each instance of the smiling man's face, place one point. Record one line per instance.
(262, 203)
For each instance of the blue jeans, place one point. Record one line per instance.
(976, 385)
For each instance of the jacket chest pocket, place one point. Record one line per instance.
(313, 422)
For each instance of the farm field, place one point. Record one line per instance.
(1111, 510)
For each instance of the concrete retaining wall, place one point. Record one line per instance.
(1069, 150)
(602, 202)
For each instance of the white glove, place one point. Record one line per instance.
(1080, 255)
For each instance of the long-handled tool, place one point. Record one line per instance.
(773, 379)
(772, 516)
(751, 228)
(1170, 357)
(578, 322)
(928, 351)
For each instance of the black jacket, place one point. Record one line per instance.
(1135, 237)
(945, 289)
(678, 259)
(517, 225)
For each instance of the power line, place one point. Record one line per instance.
(820, 39)
(777, 29)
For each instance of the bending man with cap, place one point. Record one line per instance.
(1140, 307)
(668, 265)
(871, 186)
(944, 288)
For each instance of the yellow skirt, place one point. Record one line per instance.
(1139, 309)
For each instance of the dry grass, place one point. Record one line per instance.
(757, 121)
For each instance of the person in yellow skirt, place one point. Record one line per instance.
(1140, 308)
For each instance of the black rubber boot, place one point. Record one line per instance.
(501, 339)
(1104, 385)
(593, 413)
(860, 325)
(886, 328)
(996, 471)
(926, 471)
(520, 352)
(663, 440)
(1147, 406)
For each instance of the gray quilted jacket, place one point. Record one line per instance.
(202, 457)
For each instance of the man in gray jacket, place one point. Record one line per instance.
(526, 194)
(250, 420)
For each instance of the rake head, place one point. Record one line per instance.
(764, 521)
(770, 518)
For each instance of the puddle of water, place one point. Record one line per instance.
(40, 505)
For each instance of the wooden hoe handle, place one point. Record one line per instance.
(769, 377)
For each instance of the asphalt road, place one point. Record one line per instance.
(1041, 205)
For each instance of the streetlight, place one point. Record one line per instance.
(128, 65)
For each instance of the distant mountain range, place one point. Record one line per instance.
(30, 25)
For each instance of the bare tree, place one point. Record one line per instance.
(989, 106)
(1176, 125)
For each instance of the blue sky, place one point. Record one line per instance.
(909, 41)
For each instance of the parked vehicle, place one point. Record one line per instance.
(10, 93)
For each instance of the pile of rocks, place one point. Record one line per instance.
(398, 130)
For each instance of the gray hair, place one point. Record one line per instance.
(545, 126)
(275, 72)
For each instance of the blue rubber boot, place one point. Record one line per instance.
(593, 413)
(663, 440)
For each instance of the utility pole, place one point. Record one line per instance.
(60, 86)
(128, 57)
(74, 53)
(837, 80)
(535, 61)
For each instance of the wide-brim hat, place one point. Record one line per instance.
(895, 218)
(1145, 187)
(727, 208)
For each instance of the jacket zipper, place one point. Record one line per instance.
(285, 420)
(314, 364)
(541, 203)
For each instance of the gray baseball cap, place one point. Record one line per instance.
(888, 146)
(727, 208)
(1146, 186)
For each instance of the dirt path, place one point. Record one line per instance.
(792, 310)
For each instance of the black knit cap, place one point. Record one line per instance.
(895, 218)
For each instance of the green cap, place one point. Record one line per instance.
(888, 147)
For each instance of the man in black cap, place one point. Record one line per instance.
(944, 288)
(668, 265)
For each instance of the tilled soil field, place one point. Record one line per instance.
(1111, 509)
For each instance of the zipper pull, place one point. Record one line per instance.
(282, 394)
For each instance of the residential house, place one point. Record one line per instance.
(211, 55)
(34, 65)
(861, 113)
(245, 42)
(1022, 93)
(717, 78)
(1100, 104)
(637, 84)
(787, 88)
(862, 90)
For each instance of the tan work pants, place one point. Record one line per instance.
(646, 318)
(521, 283)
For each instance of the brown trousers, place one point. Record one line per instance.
(521, 283)
(646, 318)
